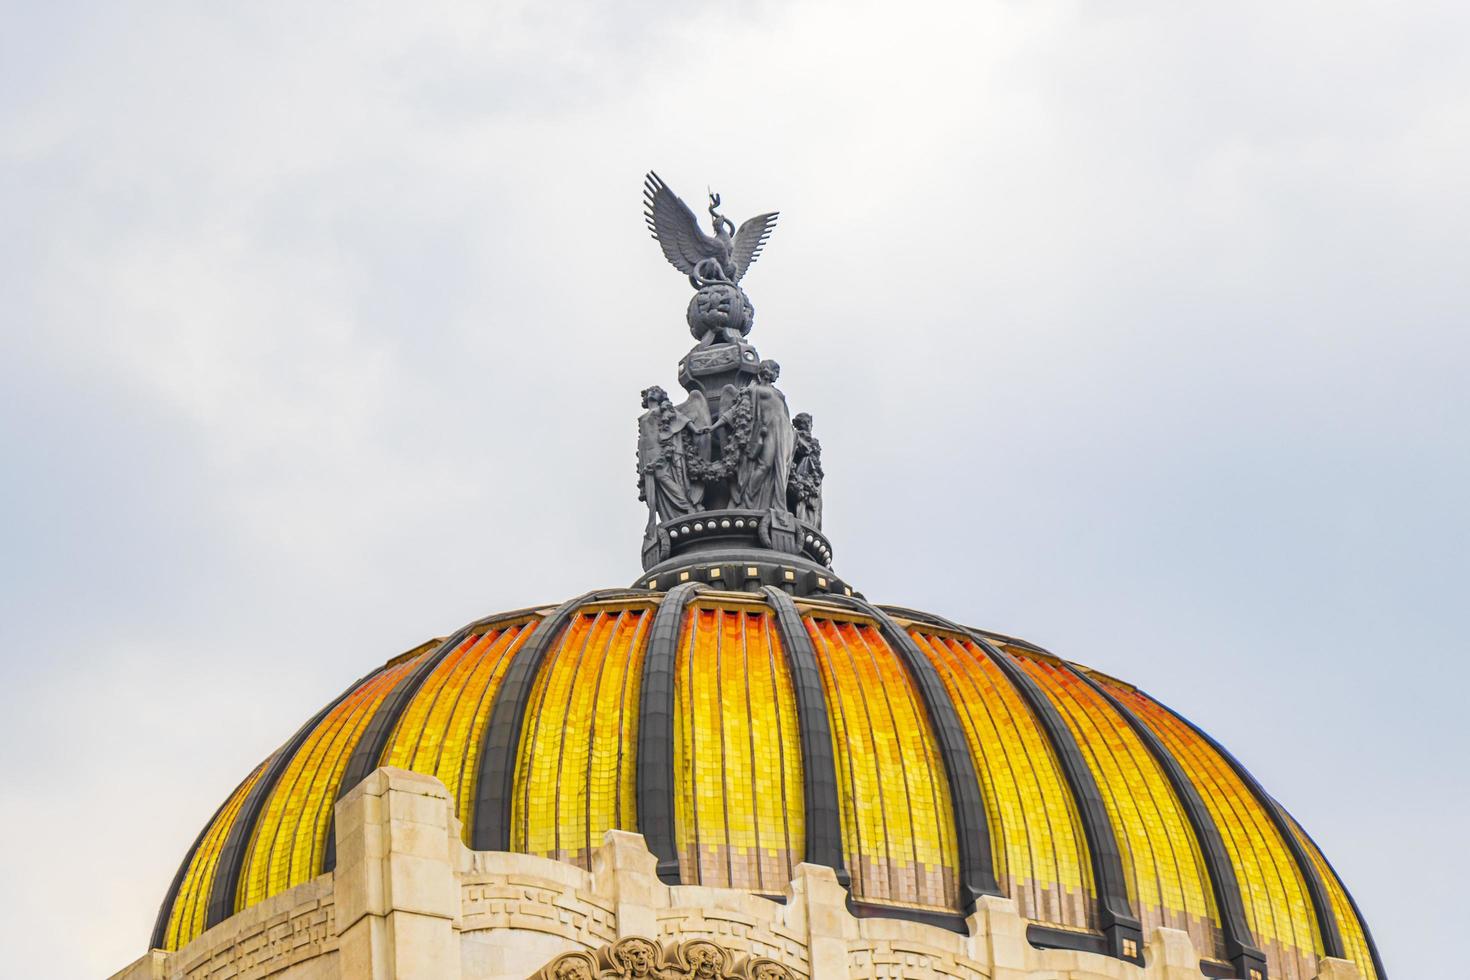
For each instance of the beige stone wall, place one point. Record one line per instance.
(290, 935)
(408, 900)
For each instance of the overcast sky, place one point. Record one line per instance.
(1138, 330)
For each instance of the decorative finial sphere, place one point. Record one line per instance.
(721, 309)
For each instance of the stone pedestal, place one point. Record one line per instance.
(816, 901)
(708, 369)
(1335, 969)
(626, 872)
(396, 887)
(1171, 956)
(998, 936)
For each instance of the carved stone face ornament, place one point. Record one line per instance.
(572, 966)
(769, 970)
(705, 961)
(635, 957)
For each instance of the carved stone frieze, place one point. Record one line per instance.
(636, 958)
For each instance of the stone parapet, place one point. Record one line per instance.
(295, 931)
(408, 900)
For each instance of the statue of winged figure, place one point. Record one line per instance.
(723, 257)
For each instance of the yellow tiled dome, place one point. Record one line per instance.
(743, 732)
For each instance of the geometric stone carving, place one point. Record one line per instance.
(636, 958)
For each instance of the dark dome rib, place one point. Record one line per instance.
(495, 786)
(977, 871)
(818, 762)
(165, 911)
(655, 759)
(1353, 904)
(1240, 946)
(369, 749)
(232, 856)
(1332, 944)
(1114, 910)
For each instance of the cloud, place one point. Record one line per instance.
(1136, 331)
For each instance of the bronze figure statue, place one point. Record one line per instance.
(760, 439)
(806, 473)
(665, 443)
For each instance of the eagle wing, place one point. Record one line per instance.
(749, 241)
(674, 227)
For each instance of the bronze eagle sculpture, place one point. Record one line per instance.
(724, 256)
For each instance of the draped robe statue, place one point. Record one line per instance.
(666, 439)
(763, 439)
(806, 474)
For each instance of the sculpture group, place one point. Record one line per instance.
(732, 443)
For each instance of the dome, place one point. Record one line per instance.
(759, 723)
(745, 719)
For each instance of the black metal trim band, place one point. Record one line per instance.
(1240, 945)
(746, 569)
(972, 826)
(655, 772)
(232, 855)
(495, 786)
(1321, 901)
(1047, 937)
(951, 921)
(818, 762)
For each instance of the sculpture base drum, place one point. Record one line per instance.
(710, 369)
(694, 538)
